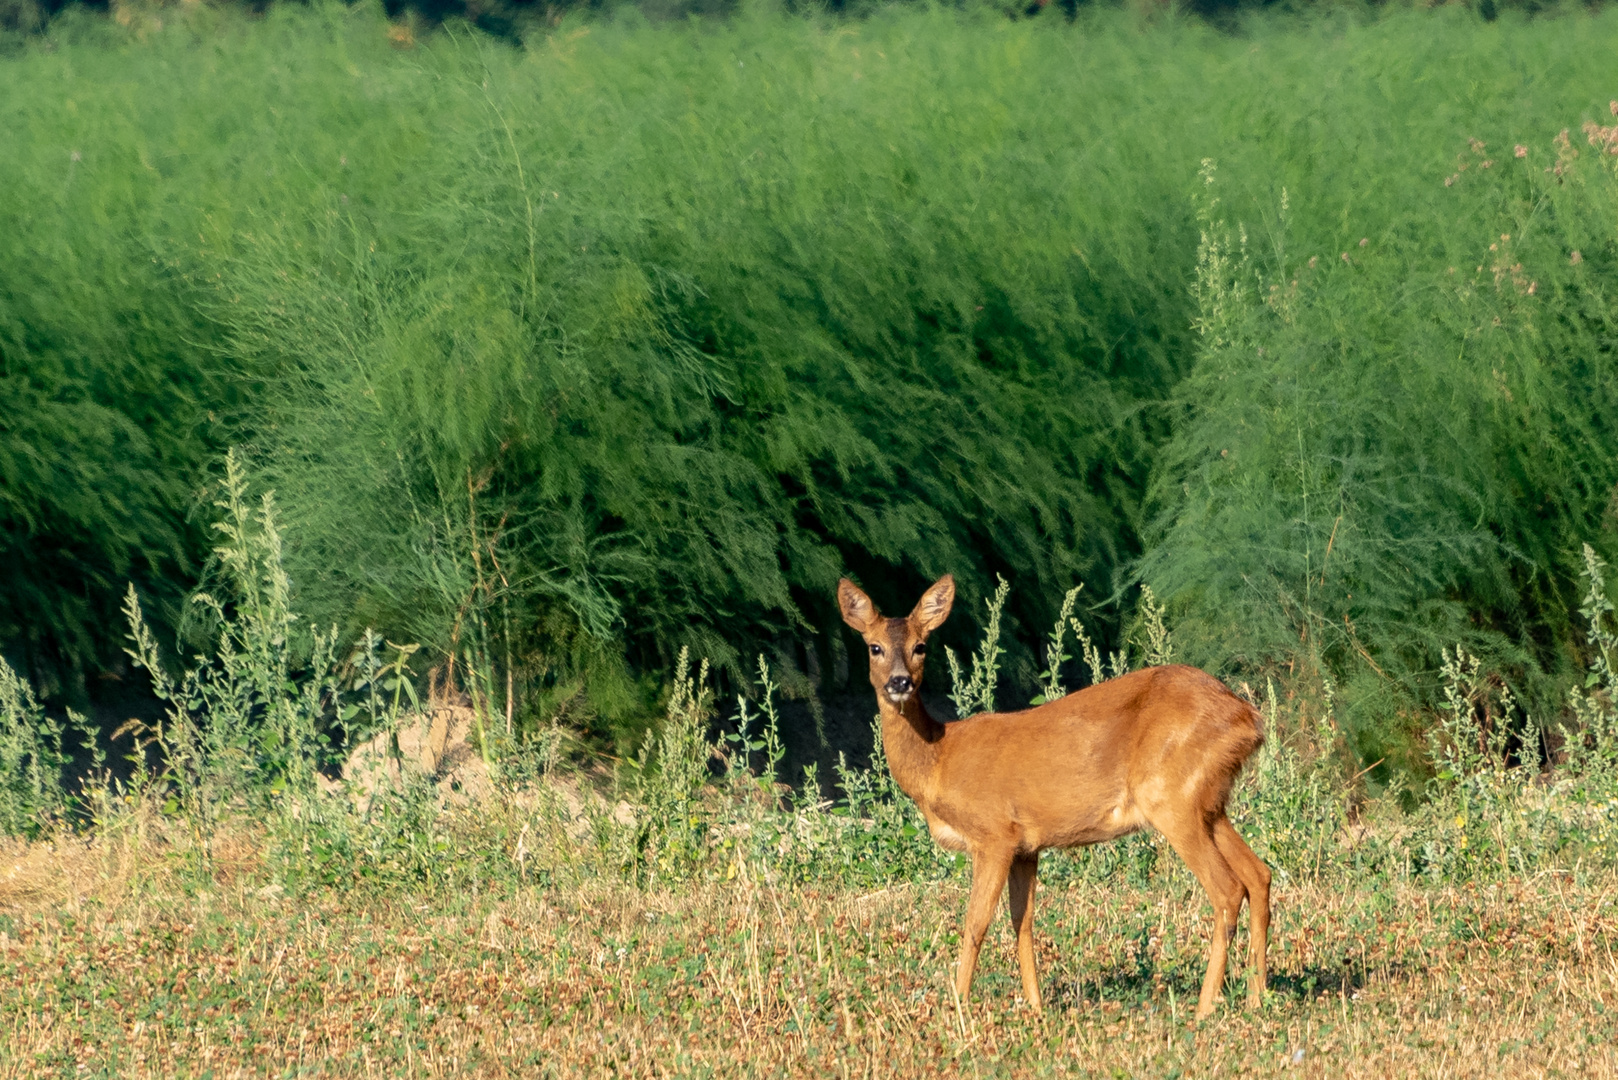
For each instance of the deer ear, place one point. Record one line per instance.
(933, 607)
(858, 611)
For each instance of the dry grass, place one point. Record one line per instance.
(108, 966)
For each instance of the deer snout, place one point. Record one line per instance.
(900, 686)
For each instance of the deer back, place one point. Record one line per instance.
(1091, 766)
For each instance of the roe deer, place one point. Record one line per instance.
(1157, 747)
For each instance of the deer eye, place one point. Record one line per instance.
(876, 650)
(919, 650)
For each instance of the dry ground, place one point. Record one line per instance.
(111, 972)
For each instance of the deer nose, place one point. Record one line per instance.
(900, 684)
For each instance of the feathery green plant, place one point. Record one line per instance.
(561, 358)
(1341, 495)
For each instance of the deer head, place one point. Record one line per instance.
(897, 647)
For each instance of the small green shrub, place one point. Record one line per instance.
(1592, 745)
(671, 821)
(1292, 803)
(32, 793)
(252, 717)
(251, 724)
(976, 694)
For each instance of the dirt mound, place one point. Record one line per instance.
(435, 744)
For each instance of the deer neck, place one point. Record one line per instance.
(910, 739)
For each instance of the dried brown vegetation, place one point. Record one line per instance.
(112, 968)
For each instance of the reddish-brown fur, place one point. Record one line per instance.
(1158, 747)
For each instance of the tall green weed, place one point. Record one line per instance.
(32, 787)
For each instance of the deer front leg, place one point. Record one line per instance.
(989, 872)
(1024, 870)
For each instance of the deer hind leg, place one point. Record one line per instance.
(989, 872)
(1024, 870)
(1196, 846)
(1255, 877)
